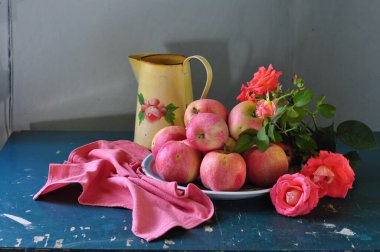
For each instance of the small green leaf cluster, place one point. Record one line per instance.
(295, 124)
(169, 115)
(140, 99)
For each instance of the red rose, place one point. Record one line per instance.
(294, 194)
(246, 94)
(264, 80)
(331, 172)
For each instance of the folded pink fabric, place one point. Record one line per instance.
(110, 175)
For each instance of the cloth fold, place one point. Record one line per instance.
(110, 175)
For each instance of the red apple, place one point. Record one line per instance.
(206, 132)
(169, 133)
(264, 168)
(242, 117)
(204, 106)
(288, 151)
(223, 171)
(176, 161)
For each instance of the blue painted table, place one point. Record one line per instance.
(59, 221)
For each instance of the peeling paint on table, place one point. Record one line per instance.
(208, 228)
(18, 219)
(58, 243)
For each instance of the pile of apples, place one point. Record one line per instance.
(204, 149)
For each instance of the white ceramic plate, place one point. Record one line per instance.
(246, 192)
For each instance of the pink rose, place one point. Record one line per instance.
(153, 110)
(294, 194)
(246, 94)
(331, 172)
(264, 80)
(265, 109)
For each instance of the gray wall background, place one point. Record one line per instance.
(71, 72)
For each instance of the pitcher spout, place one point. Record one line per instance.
(135, 62)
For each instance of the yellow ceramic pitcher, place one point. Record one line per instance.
(164, 91)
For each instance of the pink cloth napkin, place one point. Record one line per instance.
(110, 176)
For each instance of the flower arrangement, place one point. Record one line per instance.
(288, 119)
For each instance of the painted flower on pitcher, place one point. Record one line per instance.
(265, 109)
(294, 194)
(264, 80)
(152, 110)
(331, 172)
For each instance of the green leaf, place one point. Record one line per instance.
(140, 98)
(169, 114)
(326, 110)
(170, 117)
(306, 143)
(250, 132)
(271, 132)
(320, 99)
(244, 143)
(265, 122)
(274, 135)
(357, 135)
(303, 97)
(291, 113)
(277, 137)
(279, 112)
(283, 121)
(302, 112)
(262, 135)
(171, 107)
(141, 116)
(262, 145)
(354, 158)
(293, 124)
(262, 140)
(325, 138)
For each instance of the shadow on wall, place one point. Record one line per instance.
(103, 123)
(4, 98)
(221, 56)
(233, 61)
(4, 93)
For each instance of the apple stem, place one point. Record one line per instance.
(201, 136)
(226, 149)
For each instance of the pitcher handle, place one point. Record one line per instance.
(208, 72)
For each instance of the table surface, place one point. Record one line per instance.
(58, 221)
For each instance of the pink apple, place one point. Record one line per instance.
(186, 141)
(204, 106)
(264, 168)
(223, 171)
(206, 132)
(242, 117)
(176, 161)
(169, 133)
